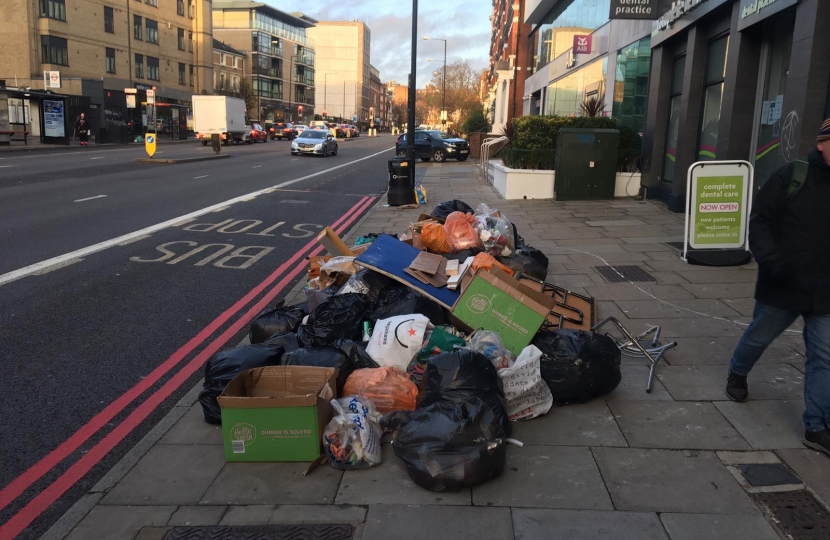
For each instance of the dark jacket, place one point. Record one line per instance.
(791, 240)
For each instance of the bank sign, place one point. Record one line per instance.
(634, 9)
(718, 211)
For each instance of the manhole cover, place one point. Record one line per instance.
(292, 201)
(798, 514)
(619, 274)
(270, 532)
(773, 474)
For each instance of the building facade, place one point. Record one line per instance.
(228, 67)
(734, 80)
(343, 66)
(281, 56)
(377, 99)
(102, 47)
(508, 61)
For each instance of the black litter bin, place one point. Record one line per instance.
(401, 188)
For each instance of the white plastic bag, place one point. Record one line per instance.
(396, 341)
(353, 437)
(528, 396)
(490, 345)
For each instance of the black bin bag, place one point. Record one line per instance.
(578, 366)
(286, 340)
(225, 365)
(327, 357)
(448, 446)
(398, 299)
(356, 352)
(336, 317)
(448, 207)
(276, 320)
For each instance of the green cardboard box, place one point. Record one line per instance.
(277, 413)
(495, 301)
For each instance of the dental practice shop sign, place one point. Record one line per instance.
(718, 210)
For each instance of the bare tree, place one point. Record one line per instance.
(461, 90)
(244, 90)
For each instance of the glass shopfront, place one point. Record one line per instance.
(566, 95)
(712, 99)
(631, 85)
(555, 34)
(673, 135)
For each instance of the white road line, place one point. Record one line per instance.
(203, 176)
(8, 277)
(256, 166)
(5, 166)
(99, 157)
(90, 198)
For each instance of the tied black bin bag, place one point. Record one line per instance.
(329, 357)
(276, 320)
(225, 365)
(397, 299)
(336, 317)
(286, 340)
(578, 366)
(448, 207)
(356, 351)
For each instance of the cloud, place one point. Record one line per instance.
(464, 24)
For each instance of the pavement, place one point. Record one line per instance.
(631, 465)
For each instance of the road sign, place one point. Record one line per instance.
(51, 79)
(150, 144)
(130, 90)
(151, 97)
(130, 101)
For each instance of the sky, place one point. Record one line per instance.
(465, 24)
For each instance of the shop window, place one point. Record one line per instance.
(109, 20)
(139, 66)
(152, 31)
(180, 7)
(54, 50)
(712, 99)
(110, 60)
(153, 69)
(673, 131)
(631, 84)
(181, 74)
(180, 32)
(138, 30)
(567, 94)
(53, 9)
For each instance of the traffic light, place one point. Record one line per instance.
(300, 109)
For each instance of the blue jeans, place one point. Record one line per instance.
(767, 324)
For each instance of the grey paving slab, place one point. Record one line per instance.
(650, 248)
(651, 309)
(699, 526)
(580, 243)
(591, 258)
(384, 522)
(120, 522)
(617, 223)
(637, 291)
(696, 326)
(152, 533)
(767, 425)
(632, 387)
(589, 424)
(169, 474)
(654, 239)
(693, 351)
(677, 265)
(708, 383)
(724, 276)
(273, 483)
(744, 306)
(721, 290)
(678, 426)
(571, 281)
(671, 481)
(197, 516)
(669, 254)
(389, 483)
(192, 429)
(546, 477)
(254, 514)
(535, 524)
(813, 467)
(668, 278)
(564, 248)
(315, 513)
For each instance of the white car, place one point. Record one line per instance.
(314, 142)
(299, 128)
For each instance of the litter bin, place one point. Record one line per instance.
(401, 187)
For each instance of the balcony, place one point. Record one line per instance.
(304, 79)
(305, 59)
(268, 72)
(307, 99)
(269, 95)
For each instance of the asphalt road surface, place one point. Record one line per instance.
(97, 345)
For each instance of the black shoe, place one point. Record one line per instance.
(818, 441)
(736, 388)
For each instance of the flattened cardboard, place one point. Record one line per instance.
(427, 263)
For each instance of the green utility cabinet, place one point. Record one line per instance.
(586, 164)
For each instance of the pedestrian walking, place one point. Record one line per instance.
(83, 130)
(789, 236)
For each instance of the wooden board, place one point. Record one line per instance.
(390, 257)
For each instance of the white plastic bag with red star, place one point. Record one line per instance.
(396, 341)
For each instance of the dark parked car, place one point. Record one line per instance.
(435, 145)
(282, 130)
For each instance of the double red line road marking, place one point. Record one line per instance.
(80, 468)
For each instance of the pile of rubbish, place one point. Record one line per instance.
(439, 340)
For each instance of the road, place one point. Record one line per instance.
(96, 349)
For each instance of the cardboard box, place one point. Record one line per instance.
(277, 413)
(495, 301)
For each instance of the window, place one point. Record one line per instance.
(190, 42)
(191, 75)
(151, 3)
(110, 60)
(153, 68)
(181, 73)
(565, 96)
(631, 84)
(138, 32)
(556, 32)
(673, 134)
(152, 31)
(55, 50)
(235, 83)
(191, 9)
(53, 9)
(180, 32)
(712, 98)
(139, 66)
(109, 20)
(221, 80)
(235, 60)
(180, 7)
(221, 59)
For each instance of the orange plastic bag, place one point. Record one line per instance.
(434, 238)
(487, 261)
(460, 231)
(388, 388)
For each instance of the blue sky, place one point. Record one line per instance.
(464, 23)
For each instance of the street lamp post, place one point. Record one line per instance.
(444, 82)
(290, 83)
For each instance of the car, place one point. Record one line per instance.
(282, 130)
(355, 131)
(314, 142)
(347, 130)
(258, 133)
(299, 128)
(435, 145)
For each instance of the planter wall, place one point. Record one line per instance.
(533, 184)
(627, 185)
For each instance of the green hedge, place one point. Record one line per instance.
(534, 140)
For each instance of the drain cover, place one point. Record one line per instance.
(798, 514)
(620, 274)
(774, 474)
(270, 532)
